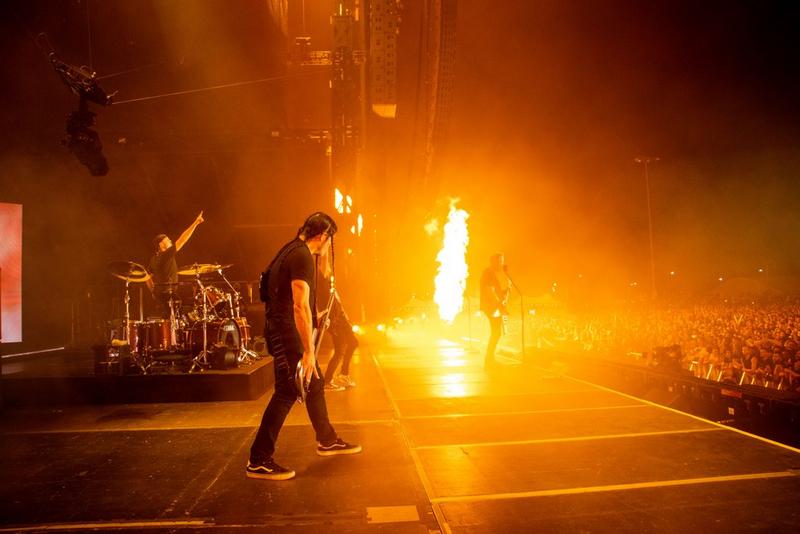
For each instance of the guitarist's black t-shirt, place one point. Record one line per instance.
(494, 292)
(296, 264)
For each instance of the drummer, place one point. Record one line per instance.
(164, 268)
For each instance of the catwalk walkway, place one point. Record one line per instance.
(446, 448)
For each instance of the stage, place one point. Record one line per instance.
(71, 377)
(447, 447)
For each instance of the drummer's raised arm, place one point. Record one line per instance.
(184, 237)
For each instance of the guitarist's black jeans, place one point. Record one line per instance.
(496, 324)
(282, 400)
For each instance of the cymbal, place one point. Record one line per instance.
(128, 271)
(199, 268)
(173, 285)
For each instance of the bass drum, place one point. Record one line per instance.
(222, 333)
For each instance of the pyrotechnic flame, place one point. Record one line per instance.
(432, 226)
(451, 279)
(338, 200)
(343, 203)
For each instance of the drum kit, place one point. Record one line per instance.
(209, 332)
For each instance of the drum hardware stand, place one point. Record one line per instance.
(245, 355)
(141, 303)
(234, 310)
(126, 332)
(126, 329)
(130, 272)
(201, 360)
(521, 309)
(173, 323)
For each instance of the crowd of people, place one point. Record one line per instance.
(739, 344)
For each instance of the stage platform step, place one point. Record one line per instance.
(241, 384)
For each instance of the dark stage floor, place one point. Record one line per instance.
(446, 448)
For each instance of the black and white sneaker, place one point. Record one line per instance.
(268, 470)
(332, 386)
(338, 447)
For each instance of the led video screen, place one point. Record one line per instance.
(10, 273)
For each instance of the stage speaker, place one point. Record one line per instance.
(384, 27)
(109, 360)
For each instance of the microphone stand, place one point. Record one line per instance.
(469, 323)
(521, 307)
(234, 308)
(201, 360)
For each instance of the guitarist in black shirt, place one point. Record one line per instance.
(495, 290)
(288, 291)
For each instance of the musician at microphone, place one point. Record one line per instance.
(495, 290)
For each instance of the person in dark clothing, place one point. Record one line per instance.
(164, 268)
(495, 290)
(340, 330)
(288, 291)
(345, 344)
